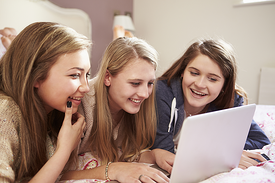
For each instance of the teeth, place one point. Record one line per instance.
(198, 93)
(136, 101)
(75, 98)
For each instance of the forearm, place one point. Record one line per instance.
(94, 173)
(124, 172)
(147, 157)
(52, 169)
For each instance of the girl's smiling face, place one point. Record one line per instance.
(130, 87)
(66, 80)
(202, 83)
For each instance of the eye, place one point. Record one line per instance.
(212, 79)
(87, 75)
(135, 84)
(151, 83)
(75, 76)
(194, 73)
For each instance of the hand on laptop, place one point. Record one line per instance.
(125, 172)
(248, 159)
(164, 159)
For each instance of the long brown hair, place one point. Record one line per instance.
(139, 128)
(28, 59)
(220, 52)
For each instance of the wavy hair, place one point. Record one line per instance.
(221, 53)
(140, 128)
(29, 59)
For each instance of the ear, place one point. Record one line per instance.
(107, 79)
(36, 84)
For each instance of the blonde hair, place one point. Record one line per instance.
(223, 54)
(140, 128)
(29, 59)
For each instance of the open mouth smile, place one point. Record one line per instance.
(198, 93)
(135, 100)
(75, 98)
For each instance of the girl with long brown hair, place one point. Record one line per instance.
(121, 117)
(202, 80)
(44, 70)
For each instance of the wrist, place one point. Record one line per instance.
(63, 153)
(153, 154)
(107, 172)
(114, 169)
(60, 153)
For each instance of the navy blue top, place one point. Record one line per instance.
(256, 138)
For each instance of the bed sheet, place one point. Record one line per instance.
(265, 117)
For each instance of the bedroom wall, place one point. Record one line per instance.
(170, 26)
(101, 13)
(20, 13)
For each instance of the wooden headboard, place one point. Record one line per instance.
(20, 13)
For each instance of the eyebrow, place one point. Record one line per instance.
(212, 74)
(78, 68)
(140, 79)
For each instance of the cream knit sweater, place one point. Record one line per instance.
(10, 121)
(10, 118)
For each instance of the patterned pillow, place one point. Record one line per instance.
(265, 117)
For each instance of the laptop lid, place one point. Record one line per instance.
(211, 143)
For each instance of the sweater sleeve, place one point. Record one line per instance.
(9, 140)
(256, 138)
(164, 97)
(87, 109)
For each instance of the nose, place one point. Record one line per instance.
(84, 87)
(201, 82)
(144, 92)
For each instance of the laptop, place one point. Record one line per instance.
(211, 143)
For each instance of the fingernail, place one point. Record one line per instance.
(69, 104)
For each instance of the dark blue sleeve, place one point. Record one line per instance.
(164, 97)
(256, 138)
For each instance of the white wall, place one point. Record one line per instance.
(171, 25)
